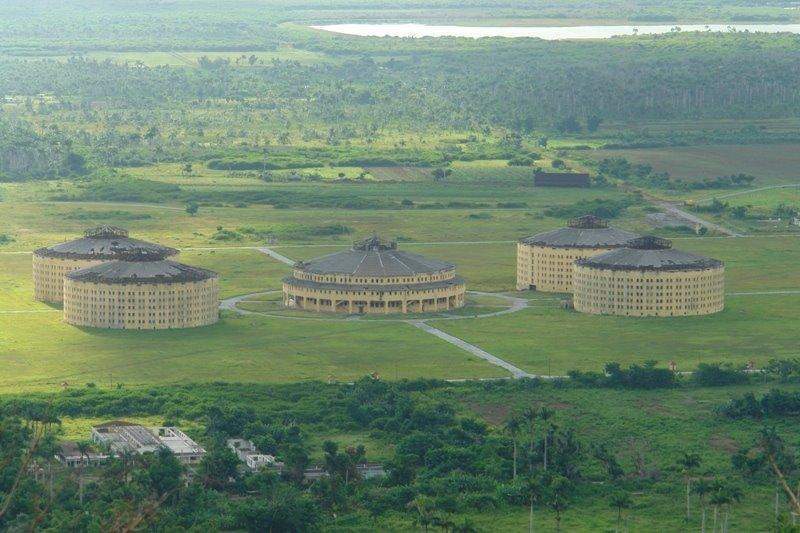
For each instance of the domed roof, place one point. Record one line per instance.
(587, 231)
(141, 265)
(102, 242)
(374, 258)
(649, 253)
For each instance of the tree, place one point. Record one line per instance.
(771, 454)
(440, 174)
(164, 472)
(512, 428)
(218, 467)
(186, 169)
(557, 493)
(192, 208)
(529, 414)
(592, 123)
(620, 500)
(545, 414)
(703, 488)
(688, 462)
(533, 485)
(424, 507)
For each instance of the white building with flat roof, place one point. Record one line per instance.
(246, 451)
(125, 437)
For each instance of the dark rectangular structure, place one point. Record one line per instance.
(561, 179)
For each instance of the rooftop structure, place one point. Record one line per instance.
(98, 245)
(124, 437)
(101, 242)
(545, 260)
(246, 451)
(69, 454)
(374, 277)
(650, 253)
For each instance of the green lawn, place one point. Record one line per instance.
(547, 339)
(39, 351)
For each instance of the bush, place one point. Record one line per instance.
(774, 403)
(718, 374)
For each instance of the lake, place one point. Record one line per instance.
(551, 33)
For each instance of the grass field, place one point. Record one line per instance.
(544, 338)
(772, 164)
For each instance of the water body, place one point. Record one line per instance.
(550, 33)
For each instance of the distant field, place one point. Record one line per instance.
(179, 59)
(770, 163)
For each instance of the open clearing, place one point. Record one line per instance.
(770, 163)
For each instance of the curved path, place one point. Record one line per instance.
(517, 304)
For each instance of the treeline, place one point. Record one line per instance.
(536, 85)
(26, 154)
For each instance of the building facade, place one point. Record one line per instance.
(141, 291)
(374, 277)
(545, 261)
(98, 245)
(562, 179)
(649, 278)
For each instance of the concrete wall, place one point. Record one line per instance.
(48, 276)
(549, 269)
(649, 293)
(141, 306)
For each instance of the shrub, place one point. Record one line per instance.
(718, 374)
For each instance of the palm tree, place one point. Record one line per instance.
(558, 492)
(529, 414)
(733, 494)
(620, 500)
(703, 488)
(512, 428)
(545, 414)
(534, 486)
(718, 499)
(688, 462)
(424, 507)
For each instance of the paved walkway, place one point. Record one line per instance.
(471, 348)
(685, 215)
(275, 255)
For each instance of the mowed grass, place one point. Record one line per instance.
(547, 339)
(240, 271)
(41, 352)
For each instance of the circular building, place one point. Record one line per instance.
(141, 290)
(373, 277)
(649, 278)
(545, 261)
(98, 245)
